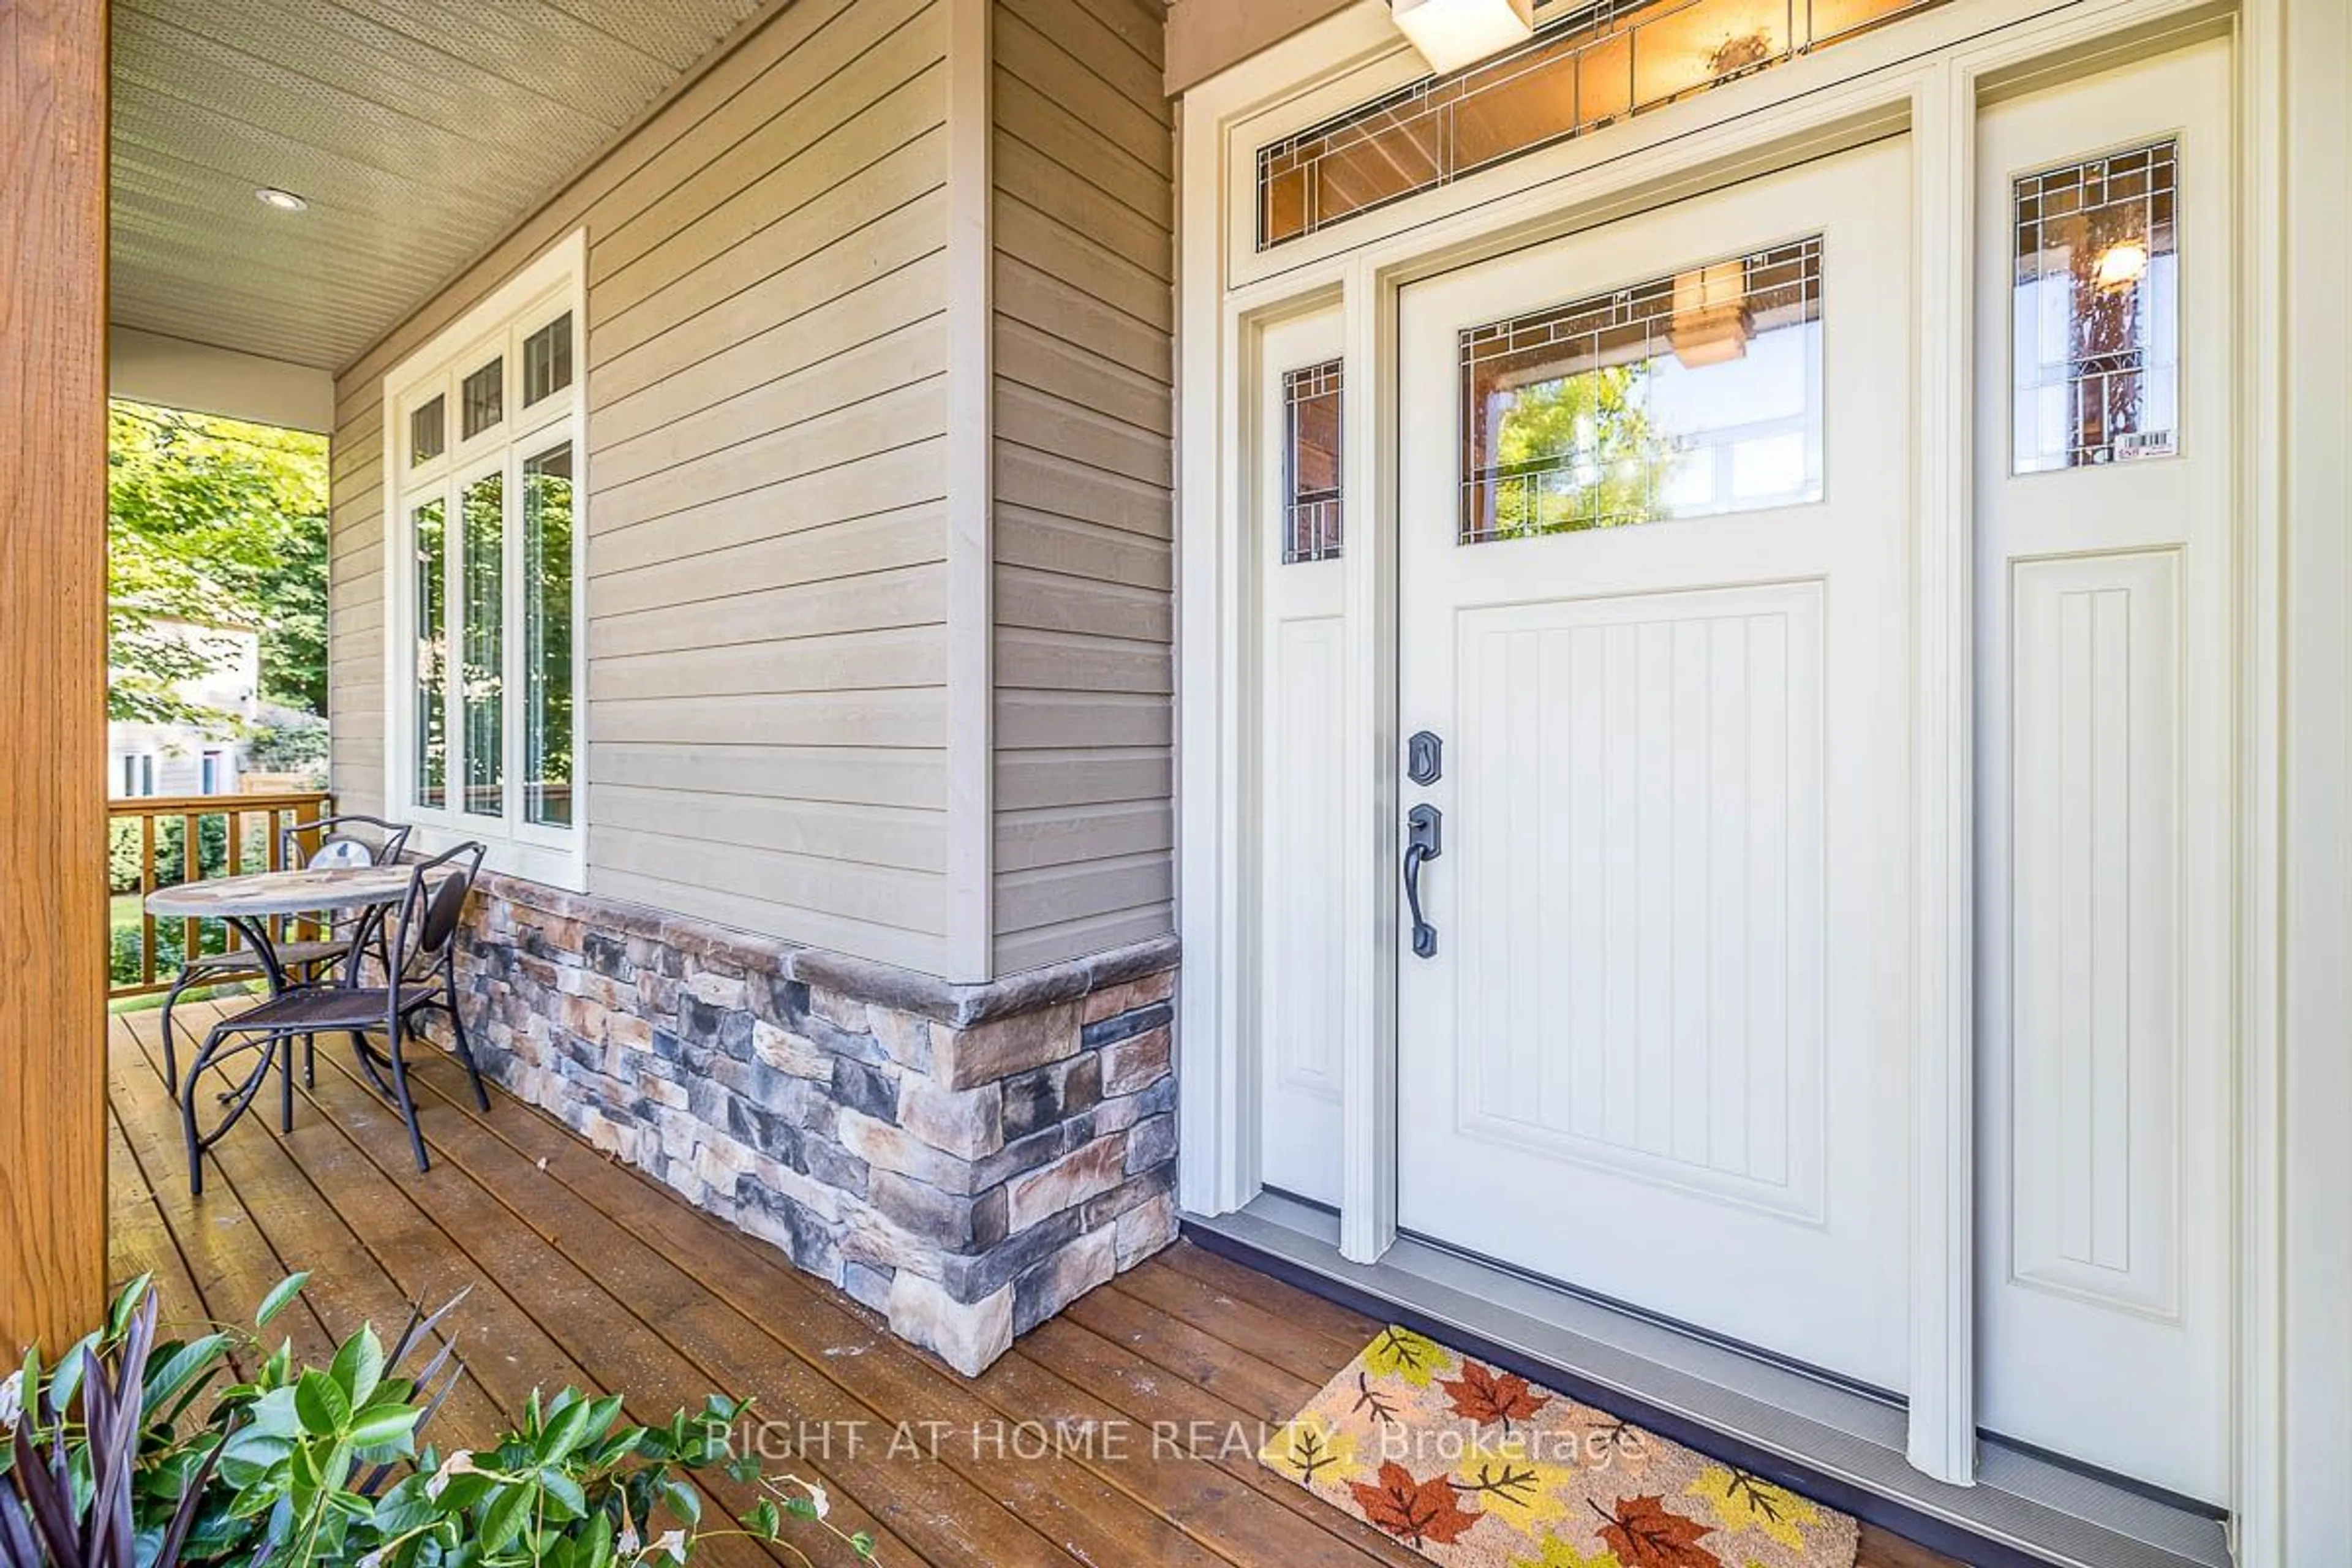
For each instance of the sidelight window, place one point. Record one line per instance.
(2096, 312)
(1313, 514)
(1691, 395)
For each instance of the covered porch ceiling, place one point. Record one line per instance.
(416, 132)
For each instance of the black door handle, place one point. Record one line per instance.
(1425, 841)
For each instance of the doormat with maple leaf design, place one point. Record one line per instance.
(1474, 1467)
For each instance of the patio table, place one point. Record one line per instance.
(248, 904)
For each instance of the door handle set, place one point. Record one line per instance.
(1425, 841)
(1425, 834)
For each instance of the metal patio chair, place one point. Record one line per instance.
(302, 963)
(421, 950)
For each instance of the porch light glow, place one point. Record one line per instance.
(2120, 265)
(284, 201)
(1711, 324)
(1451, 34)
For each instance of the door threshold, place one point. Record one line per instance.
(1828, 1440)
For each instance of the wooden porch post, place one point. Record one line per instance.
(53, 208)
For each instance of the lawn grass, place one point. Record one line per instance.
(123, 912)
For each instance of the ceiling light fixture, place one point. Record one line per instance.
(1451, 34)
(284, 201)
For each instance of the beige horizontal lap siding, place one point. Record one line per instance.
(355, 599)
(1083, 162)
(766, 370)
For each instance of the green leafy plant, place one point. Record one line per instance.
(130, 1453)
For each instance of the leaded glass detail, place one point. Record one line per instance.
(1589, 69)
(2095, 338)
(1312, 508)
(1692, 395)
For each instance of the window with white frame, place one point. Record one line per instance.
(485, 543)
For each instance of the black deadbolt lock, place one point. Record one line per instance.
(1424, 758)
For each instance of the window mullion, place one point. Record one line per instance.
(516, 678)
(453, 661)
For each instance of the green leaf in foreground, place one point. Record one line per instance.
(281, 1295)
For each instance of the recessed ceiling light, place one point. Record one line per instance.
(284, 201)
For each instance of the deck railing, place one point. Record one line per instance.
(164, 841)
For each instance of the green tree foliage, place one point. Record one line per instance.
(1580, 452)
(219, 522)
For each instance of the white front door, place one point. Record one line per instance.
(2105, 738)
(1655, 534)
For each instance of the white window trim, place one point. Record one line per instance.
(552, 284)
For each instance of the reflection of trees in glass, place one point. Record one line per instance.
(1579, 451)
(482, 636)
(432, 653)
(547, 634)
(2104, 351)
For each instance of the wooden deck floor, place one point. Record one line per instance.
(583, 1272)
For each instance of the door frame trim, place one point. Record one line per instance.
(1810, 106)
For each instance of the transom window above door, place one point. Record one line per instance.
(485, 569)
(1591, 68)
(1690, 395)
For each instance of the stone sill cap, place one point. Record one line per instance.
(956, 1005)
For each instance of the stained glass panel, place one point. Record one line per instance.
(1687, 395)
(2096, 313)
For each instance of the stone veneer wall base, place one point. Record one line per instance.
(965, 1161)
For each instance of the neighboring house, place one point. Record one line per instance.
(173, 760)
(1689, 623)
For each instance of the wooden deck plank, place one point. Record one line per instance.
(1297, 1347)
(1091, 1375)
(1263, 1390)
(507, 1352)
(232, 1261)
(1338, 1324)
(587, 1271)
(348, 1285)
(801, 1346)
(923, 1508)
(138, 1242)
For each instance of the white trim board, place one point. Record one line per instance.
(173, 372)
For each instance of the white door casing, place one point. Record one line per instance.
(2106, 937)
(1299, 782)
(1660, 1050)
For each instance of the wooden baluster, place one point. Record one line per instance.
(236, 867)
(146, 885)
(192, 869)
